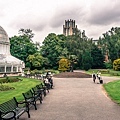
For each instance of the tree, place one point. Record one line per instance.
(110, 43)
(26, 32)
(77, 44)
(36, 61)
(22, 46)
(87, 60)
(52, 48)
(98, 58)
(73, 60)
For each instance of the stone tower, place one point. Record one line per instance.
(69, 27)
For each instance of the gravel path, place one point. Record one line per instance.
(76, 99)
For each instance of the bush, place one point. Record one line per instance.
(108, 65)
(9, 79)
(5, 87)
(116, 64)
(114, 73)
(64, 64)
(104, 71)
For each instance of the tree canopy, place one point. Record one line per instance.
(22, 46)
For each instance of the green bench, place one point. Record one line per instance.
(38, 93)
(43, 88)
(31, 98)
(13, 109)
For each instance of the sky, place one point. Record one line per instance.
(48, 16)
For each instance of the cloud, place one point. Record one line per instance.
(65, 13)
(32, 22)
(48, 16)
(104, 14)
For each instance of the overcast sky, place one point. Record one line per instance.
(48, 16)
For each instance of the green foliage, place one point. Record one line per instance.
(110, 43)
(108, 65)
(22, 46)
(106, 72)
(36, 61)
(114, 73)
(87, 60)
(10, 79)
(98, 58)
(64, 64)
(116, 64)
(77, 44)
(53, 47)
(5, 88)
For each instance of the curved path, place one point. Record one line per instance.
(76, 99)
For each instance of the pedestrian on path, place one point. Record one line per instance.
(99, 75)
(94, 76)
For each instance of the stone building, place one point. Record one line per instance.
(8, 63)
(69, 27)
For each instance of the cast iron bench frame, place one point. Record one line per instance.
(37, 93)
(31, 98)
(43, 88)
(12, 109)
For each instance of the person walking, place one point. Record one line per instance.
(98, 75)
(94, 76)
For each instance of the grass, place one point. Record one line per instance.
(20, 87)
(105, 72)
(113, 90)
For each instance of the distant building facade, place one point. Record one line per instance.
(69, 27)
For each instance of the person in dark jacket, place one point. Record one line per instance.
(94, 77)
(50, 81)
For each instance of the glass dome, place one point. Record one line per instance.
(3, 35)
(8, 63)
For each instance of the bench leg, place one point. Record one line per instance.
(28, 114)
(35, 105)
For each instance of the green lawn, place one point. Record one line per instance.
(20, 87)
(105, 72)
(113, 90)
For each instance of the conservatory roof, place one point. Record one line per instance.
(3, 36)
(5, 57)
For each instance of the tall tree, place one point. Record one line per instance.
(22, 46)
(77, 44)
(87, 60)
(52, 48)
(110, 43)
(98, 58)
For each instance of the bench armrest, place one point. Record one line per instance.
(24, 103)
(5, 115)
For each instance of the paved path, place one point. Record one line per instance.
(76, 99)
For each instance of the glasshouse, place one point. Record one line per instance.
(8, 63)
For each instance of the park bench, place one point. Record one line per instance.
(13, 109)
(38, 93)
(31, 98)
(43, 88)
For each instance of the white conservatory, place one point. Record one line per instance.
(8, 63)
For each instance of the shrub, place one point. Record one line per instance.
(104, 71)
(5, 87)
(64, 64)
(108, 65)
(116, 64)
(9, 79)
